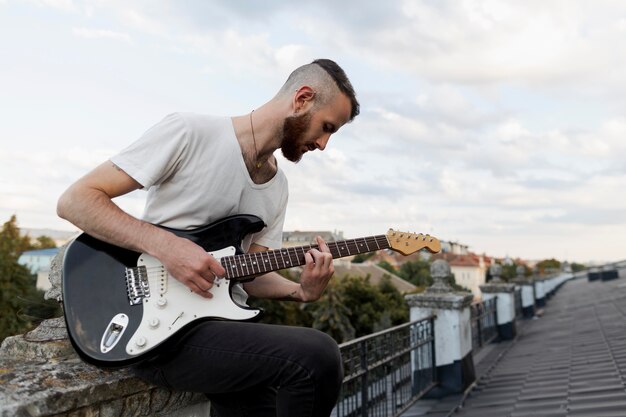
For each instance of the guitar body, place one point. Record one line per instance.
(120, 306)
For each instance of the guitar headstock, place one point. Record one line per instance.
(407, 243)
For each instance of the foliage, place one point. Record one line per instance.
(283, 312)
(397, 307)
(332, 315)
(509, 272)
(548, 265)
(350, 307)
(576, 267)
(417, 273)
(44, 242)
(362, 257)
(387, 266)
(372, 308)
(21, 304)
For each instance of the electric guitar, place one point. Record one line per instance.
(120, 306)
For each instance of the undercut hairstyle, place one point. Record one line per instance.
(327, 79)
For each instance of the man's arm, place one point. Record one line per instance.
(316, 273)
(87, 204)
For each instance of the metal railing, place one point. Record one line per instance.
(386, 372)
(483, 317)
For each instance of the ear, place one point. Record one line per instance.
(303, 98)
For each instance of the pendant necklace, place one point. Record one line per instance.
(257, 164)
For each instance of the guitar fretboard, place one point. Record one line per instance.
(250, 264)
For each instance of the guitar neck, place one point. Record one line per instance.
(240, 267)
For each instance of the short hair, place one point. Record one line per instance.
(327, 78)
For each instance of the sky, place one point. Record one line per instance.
(497, 124)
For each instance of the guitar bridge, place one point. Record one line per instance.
(137, 285)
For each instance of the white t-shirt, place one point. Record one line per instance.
(195, 174)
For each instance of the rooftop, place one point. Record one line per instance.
(571, 361)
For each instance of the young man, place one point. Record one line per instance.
(198, 169)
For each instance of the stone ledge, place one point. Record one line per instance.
(41, 375)
(69, 387)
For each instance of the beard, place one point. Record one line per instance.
(294, 128)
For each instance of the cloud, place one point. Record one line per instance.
(487, 122)
(101, 34)
(483, 42)
(63, 5)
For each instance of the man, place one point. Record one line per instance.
(198, 169)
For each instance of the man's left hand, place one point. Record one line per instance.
(317, 271)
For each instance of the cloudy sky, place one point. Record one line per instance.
(497, 124)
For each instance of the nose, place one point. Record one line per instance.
(321, 142)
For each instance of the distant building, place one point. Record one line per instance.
(454, 248)
(470, 271)
(302, 238)
(38, 262)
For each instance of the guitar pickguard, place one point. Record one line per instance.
(167, 311)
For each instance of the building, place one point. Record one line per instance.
(300, 238)
(38, 262)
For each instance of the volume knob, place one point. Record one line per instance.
(141, 341)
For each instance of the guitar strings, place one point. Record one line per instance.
(251, 260)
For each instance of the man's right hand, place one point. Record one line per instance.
(191, 265)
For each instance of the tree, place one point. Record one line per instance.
(287, 313)
(16, 281)
(372, 308)
(387, 266)
(417, 273)
(331, 314)
(397, 307)
(44, 242)
(548, 265)
(21, 304)
(362, 257)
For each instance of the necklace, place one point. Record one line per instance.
(256, 152)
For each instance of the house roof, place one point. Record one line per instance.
(469, 260)
(375, 272)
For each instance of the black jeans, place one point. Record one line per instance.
(253, 369)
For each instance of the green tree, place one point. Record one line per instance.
(44, 242)
(362, 257)
(331, 315)
(287, 313)
(16, 281)
(396, 305)
(372, 308)
(387, 266)
(350, 307)
(548, 265)
(417, 273)
(509, 272)
(21, 305)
